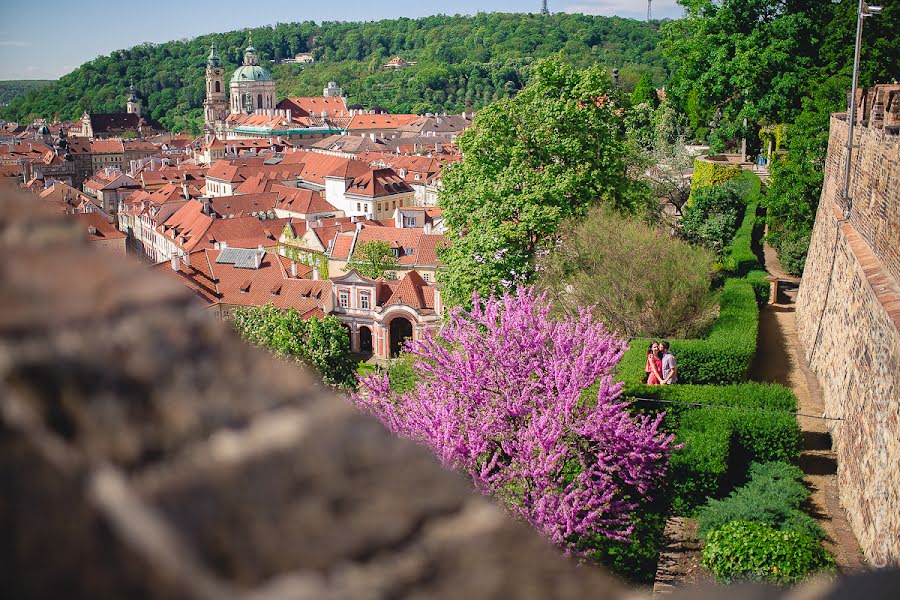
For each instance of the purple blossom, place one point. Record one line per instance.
(500, 396)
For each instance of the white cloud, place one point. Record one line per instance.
(14, 43)
(626, 8)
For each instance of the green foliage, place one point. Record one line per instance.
(529, 163)
(723, 357)
(645, 91)
(638, 280)
(464, 63)
(320, 343)
(774, 496)
(738, 425)
(712, 216)
(372, 259)
(743, 550)
(401, 373)
(634, 560)
(709, 173)
(12, 89)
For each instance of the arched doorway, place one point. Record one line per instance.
(401, 330)
(365, 340)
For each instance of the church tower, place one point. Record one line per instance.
(134, 104)
(215, 106)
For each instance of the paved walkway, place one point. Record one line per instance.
(779, 359)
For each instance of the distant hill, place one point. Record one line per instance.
(12, 89)
(463, 62)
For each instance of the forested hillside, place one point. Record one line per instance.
(12, 89)
(463, 61)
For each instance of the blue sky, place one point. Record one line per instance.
(44, 40)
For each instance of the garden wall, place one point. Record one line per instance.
(848, 319)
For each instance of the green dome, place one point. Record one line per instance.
(251, 73)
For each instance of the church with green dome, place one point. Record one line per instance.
(252, 87)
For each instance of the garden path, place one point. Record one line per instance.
(779, 359)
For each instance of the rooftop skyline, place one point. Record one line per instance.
(29, 46)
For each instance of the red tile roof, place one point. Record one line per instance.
(412, 291)
(246, 204)
(110, 146)
(301, 201)
(306, 106)
(96, 228)
(378, 182)
(361, 122)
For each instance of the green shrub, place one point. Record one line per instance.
(401, 373)
(739, 257)
(738, 425)
(774, 496)
(634, 560)
(707, 173)
(762, 288)
(712, 217)
(723, 357)
(743, 550)
(638, 281)
(792, 249)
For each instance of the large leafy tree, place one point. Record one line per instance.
(500, 395)
(320, 343)
(531, 161)
(373, 259)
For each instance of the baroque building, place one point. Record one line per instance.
(252, 87)
(215, 107)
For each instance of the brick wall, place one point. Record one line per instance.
(848, 318)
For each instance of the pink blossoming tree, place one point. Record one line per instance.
(500, 396)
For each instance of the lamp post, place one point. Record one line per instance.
(864, 11)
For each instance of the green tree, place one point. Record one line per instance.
(373, 259)
(645, 91)
(530, 162)
(320, 343)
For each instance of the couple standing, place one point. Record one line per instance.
(661, 368)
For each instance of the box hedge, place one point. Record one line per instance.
(712, 172)
(725, 355)
(736, 425)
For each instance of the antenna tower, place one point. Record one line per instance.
(544, 9)
(649, 6)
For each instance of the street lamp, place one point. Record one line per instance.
(864, 11)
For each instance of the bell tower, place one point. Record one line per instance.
(133, 106)
(215, 106)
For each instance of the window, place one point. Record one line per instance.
(358, 207)
(343, 298)
(426, 277)
(364, 300)
(218, 87)
(259, 101)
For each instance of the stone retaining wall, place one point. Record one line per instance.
(848, 319)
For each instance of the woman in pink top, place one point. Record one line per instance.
(654, 365)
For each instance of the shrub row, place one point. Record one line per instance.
(743, 550)
(774, 495)
(725, 355)
(738, 425)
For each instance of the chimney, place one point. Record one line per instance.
(187, 259)
(293, 269)
(315, 274)
(359, 226)
(176, 263)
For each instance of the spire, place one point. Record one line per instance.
(132, 92)
(250, 53)
(213, 59)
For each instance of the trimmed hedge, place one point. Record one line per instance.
(725, 355)
(707, 172)
(740, 425)
(743, 550)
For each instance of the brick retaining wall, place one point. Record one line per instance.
(848, 319)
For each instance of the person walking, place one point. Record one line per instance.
(669, 367)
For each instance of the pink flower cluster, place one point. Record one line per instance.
(501, 396)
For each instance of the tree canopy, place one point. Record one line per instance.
(464, 63)
(529, 162)
(373, 259)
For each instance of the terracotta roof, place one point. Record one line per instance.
(112, 122)
(380, 121)
(415, 247)
(307, 106)
(301, 201)
(414, 292)
(135, 145)
(97, 228)
(243, 232)
(341, 246)
(221, 282)
(187, 226)
(247, 204)
(378, 182)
